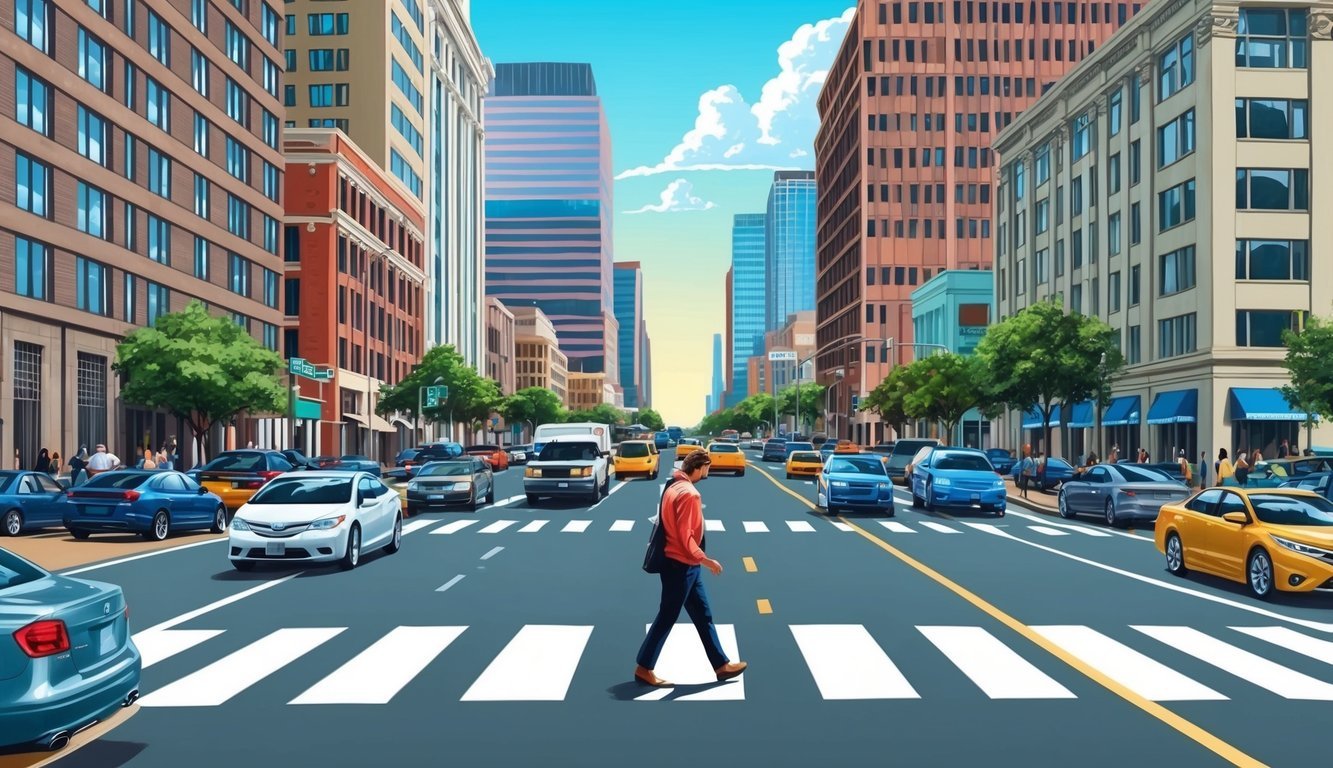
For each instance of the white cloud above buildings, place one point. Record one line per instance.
(677, 197)
(731, 134)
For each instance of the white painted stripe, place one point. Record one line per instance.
(450, 583)
(453, 527)
(1269, 675)
(896, 527)
(132, 558)
(845, 528)
(847, 663)
(510, 500)
(996, 669)
(1047, 531)
(218, 682)
(1138, 672)
(497, 526)
(492, 553)
(1084, 529)
(713, 525)
(537, 665)
(616, 487)
(1321, 650)
(755, 526)
(800, 526)
(216, 604)
(534, 526)
(417, 525)
(622, 526)
(576, 526)
(684, 662)
(941, 527)
(378, 673)
(160, 644)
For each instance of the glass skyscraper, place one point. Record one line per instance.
(789, 252)
(747, 298)
(629, 315)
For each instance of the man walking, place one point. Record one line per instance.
(682, 577)
(102, 461)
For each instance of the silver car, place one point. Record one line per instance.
(1119, 493)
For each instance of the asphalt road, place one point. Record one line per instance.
(494, 640)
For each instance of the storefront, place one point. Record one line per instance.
(1033, 428)
(1120, 421)
(1261, 419)
(1175, 417)
(1081, 418)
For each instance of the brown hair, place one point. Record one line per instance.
(694, 460)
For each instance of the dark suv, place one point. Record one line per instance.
(903, 452)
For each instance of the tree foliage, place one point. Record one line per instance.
(946, 387)
(472, 397)
(889, 397)
(1309, 360)
(811, 401)
(537, 405)
(201, 368)
(651, 419)
(602, 413)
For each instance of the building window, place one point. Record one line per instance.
(1113, 174)
(1113, 234)
(32, 185)
(199, 75)
(93, 60)
(292, 300)
(1113, 292)
(272, 73)
(1135, 224)
(1273, 38)
(92, 399)
(238, 217)
(1135, 162)
(403, 170)
(405, 128)
(271, 129)
(1175, 206)
(1076, 299)
(33, 102)
(1273, 260)
(238, 160)
(404, 82)
(272, 181)
(1272, 119)
(202, 267)
(202, 193)
(405, 40)
(1135, 284)
(1176, 68)
(1039, 266)
(131, 227)
(237, 46)
(130, 300)
(159, 239)
(33, 275)
(1082, 137)
(1264, 327)
(1269, 189)
(268, 25)
(201, 131)
(159, 173)
(1076, 248)
(93, 137)
(291, 247)
(1019, 174)
(329, 95)
(28, 393)
(1177, 335)
(238, 274)
(1042, 164)
(1175, 140)
(271, 336)
(159, 39)
(1134, 351)
(1135, 100)
(319, 24)
(94, 211)
(1115, 111)
(158, 105)
(93, 293)
(32, 22)
(1042, 215)
(238, 103)
(159, 302)
(1176, 271)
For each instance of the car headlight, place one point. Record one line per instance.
(1304, 549)
(943, 481)
(885, 486)
(838, 483)
(325, 523)
(998, 485)
(586, 472)
(413, 486)
(462, 485)
(237, 524)
(532, 472)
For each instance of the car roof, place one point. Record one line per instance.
(321, 473)
(1302, 492)
(579, 438)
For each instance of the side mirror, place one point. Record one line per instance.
(202, 490)
(1240, 518)
(364, 501)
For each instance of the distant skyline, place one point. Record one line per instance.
(737, 91)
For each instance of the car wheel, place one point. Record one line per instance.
(999, 512)
(219, 520)
(490, 494)
(79, 534)
(396, 542)
(243, 565)
(13, 522)
(161, 527)
(740, 473)
(472, 501)
(930, 497)
(1063, 504)
(352, 555)
(532, 499)
(1175, 555)
(1259, 574)
(1111, 519)
(917, 501)
(789, 476)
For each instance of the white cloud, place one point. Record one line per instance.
(731, 134)
(678, 196)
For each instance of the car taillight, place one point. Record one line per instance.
(43, 638)
(269, 475)
(129, 496)
(1127, 493)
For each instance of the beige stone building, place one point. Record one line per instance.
(1165, 186)
(538, 359)
(589, 390)
(501, 357)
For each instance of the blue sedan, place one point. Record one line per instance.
(29, 500)
(1002, 460)
(67, 660)
(957, 477)
(857, 481)
(147, 502)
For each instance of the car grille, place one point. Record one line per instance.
(260, 529)
(973, 485)
(289, 554)
(557, 472)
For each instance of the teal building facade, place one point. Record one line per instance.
(953, 309)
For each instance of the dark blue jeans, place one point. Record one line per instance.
(682, 587)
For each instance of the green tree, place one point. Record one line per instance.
(811, 400)
(471, 396)
(947, 388)
(533, 405)
(602, 413)
(200, 368)
(1309, 360)
(889, 397)
(651, 419)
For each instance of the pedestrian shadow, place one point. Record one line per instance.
(632, 690)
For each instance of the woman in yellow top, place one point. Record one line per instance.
(1223, 466)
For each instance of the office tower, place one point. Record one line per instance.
(789, 247)
(747, 299)
(629, 314)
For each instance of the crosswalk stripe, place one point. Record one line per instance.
(1269, 675)
(622, 526)
(1048, 531)
(941, 527)
(453, 527)
(218, 682)
(417, 525)
(755, 526)
(378, 673)
(896, 527)
(714, 525)
(497, 526)
(1138, 672)
(800, 526)
(847, 663)
(996, 669)
(161, 644)
(684, 662)
(538, 664)
(845, 528)
(1087, 531)
(1284, 637)
(533, 527)
(576, 526)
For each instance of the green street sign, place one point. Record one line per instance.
(436, 395)
(300, 367)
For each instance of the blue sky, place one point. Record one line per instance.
(658, 65)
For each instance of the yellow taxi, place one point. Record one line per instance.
(235, 475)
(804, 464)
(1267, 538)
(636, 457)
(686, 446)
(726, 457)
(846, 446)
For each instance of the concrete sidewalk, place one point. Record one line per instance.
(1044, 500)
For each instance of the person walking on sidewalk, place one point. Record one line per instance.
(682, 577)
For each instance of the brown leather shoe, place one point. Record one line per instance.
(646, 676)
(728, 671)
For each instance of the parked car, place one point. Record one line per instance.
(854, 482)
(324, 462)
(236, 475)
(884, 449)
(1120, 493)
(28, 501)
(1169, 468)
(570, 465)
(958, 478)
(726, 457)
(1320, 482)
(312, 517)
(1057, 471)
(493, 455)
(66, 658)
(355, 462)
(903, 452)
(467, 481)
(152, 503)
(775, 449)
(1002, 460)
(637, 457)
(519, 454)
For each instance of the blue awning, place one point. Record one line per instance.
(1179, 406)
(1083, 415)
(1032, 419)
(1122, 412)
(1262, 405)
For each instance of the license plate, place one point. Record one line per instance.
(275, 548)
(235, 485)
(976, 497)
(106, 640)
(435, 496)
(97, 510)
(563, 485)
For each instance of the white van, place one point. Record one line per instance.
(570, 465)
(600, 432)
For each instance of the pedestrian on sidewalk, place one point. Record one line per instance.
(682, 521)
(56, 461)
(1185, 468)
(102, 461)
(78, 467)
(1242, 468)
(1203, 469)
(43, 464)
(1223, 466)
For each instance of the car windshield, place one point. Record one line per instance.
(804, 456)
(119, 480)
(14, 571)
(866, 466)
(1276, 470)
(237, 462)
(444, 449)
(305, 490)
(965, 461)
(800, 446)
(1136, 475)
(1276, 509)
(634, 450)
(446, 469)
(569, 452)
(1058, 464)
(6, 478)
(723, 448)
(408, 453)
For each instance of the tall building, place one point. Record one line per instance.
(746, 299)
(646, 393)
(953, 309)
(719, 383)
(500, 354)
(548, 205)
(1169, 185)
(456, 81)
(539, 361)
(629, 315)
(789, 247)
(903, 160)
(354, 244)
(140, 172)
(721, 402)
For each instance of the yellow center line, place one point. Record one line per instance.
(1183, 726)
(765, 607)
(750, 567)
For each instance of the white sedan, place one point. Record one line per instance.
(314, 517)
